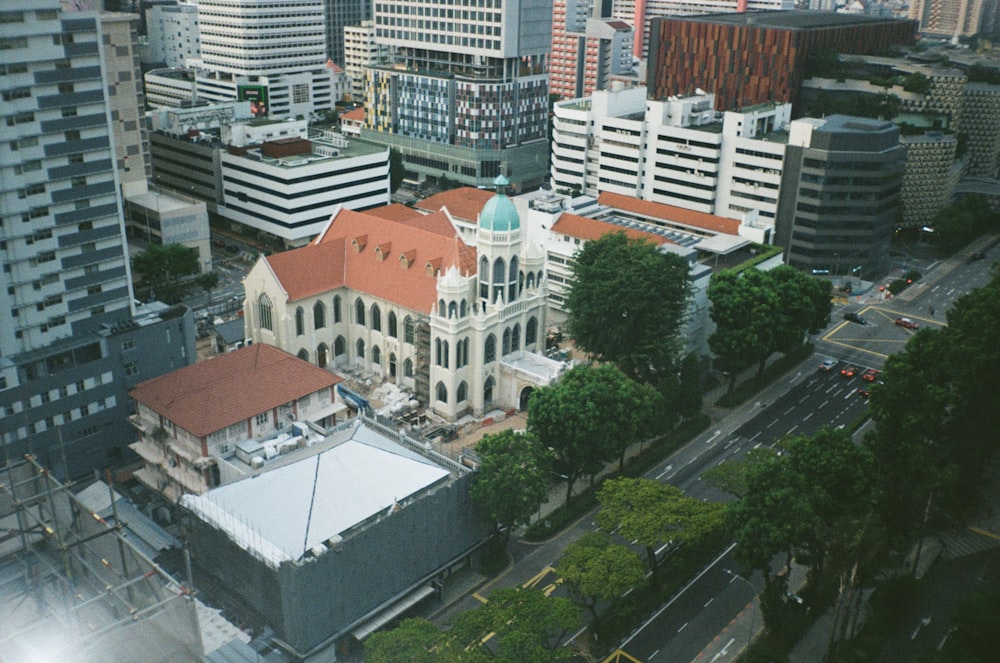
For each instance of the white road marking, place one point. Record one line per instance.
(806, 418)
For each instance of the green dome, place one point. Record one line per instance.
(499, 213)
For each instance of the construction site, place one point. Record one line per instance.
(74, 589)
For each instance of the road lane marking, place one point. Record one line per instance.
(789, 410)
(772, 423)
(790, 430)
(806, 418)
(714, 435)
(665, 470)
(682, 627)
(709, 602)
(824, 403)
(755, 436)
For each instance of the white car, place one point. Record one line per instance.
(828, 364)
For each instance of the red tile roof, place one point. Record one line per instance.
(463, 203)
(712, 222)
(393, 212)
(356, 115)
(588, 229)
(233, 387)
(333, 260)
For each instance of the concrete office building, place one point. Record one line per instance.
(466, 95)
(169, 88)
(338, 16)
(947, 18)
(272, 54)
(361, 52)
(70, 338)
(680, 152)
(840, 195)
(171, 35)
(770, 48)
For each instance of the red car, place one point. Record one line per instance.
(871, 375)
(907, 323)
(863, 392)
(849, 371)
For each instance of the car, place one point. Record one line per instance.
(854, 317)
(232, 248)
(863, 392)
(978, 256)
(847, 287)
(849, 371)
(828, 364)
(871, 375)
(907, 323)
(219, 243)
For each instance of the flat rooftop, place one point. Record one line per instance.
(795, 19)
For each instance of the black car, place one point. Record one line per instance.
(854, 317)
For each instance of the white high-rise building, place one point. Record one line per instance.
(679, 151)
(171, 34)
(270, 53)
(361, 52)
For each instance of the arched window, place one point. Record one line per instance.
(531, 280)
(490, 349)
(361, 349)
(531, 331)
(463, 392)
(452, 310)
(336, 309)
(303, 354)
(392, 364)
(264, 313)
(538, 278)
(376, 355)
(441, 392)
(506, 343)
(319, 315)
(515, 338)
(359, 311)
(322, 353)
(488, 392)
(512, 280)
(499, 271)
(392, 324)
(437, 352)
(484, 278)
(462, 353)
(520, 282)
(339, 346)
(441, 307)
(408, 368)
(300, 321)
(376, 318)
(463, 309)
(408, 329)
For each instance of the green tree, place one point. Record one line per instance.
(589, 416)
(516, 625)
(654, 514)
(413, 641)
(163, 267)
(746, 311)
(691, 385)
(207, 281)
(804, 306)
(512, 479)
(615, 320)
(397, 170)
(596, 569)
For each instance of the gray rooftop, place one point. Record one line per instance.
(796, 19)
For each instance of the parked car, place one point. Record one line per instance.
(854, 317)
(849, 371)
(871, 375)
(863, 392)
(907, 323)
(828, 364)
(219, 243)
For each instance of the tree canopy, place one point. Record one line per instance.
(512, 479)
(627, 304)
(597, 569)
(589, 416)
(163, 267)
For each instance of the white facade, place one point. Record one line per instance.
(679, 151)
(293, 197)
(274, 53)
(360, 52)
(169, 88)
(172, 34)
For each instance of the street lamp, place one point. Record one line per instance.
(730, 572)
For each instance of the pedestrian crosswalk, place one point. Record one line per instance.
(960, 543)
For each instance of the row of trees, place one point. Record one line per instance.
(849, 511)
(171, 270)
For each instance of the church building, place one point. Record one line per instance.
(396, 294)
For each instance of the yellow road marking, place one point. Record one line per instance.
(985, 533)
(618, 656)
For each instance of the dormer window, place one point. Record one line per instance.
(382, 250)
(358, 243)
(406, 259)
(433, 267)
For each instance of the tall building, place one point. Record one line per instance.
(338, 15)
(840, 195)
(466, 95)
(947, 18)
(360, 53)
(171, 35)
(70, 344)
(642, 12)
(588, 51)
(769, 49)
(273, 54)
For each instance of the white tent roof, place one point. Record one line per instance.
(281, 514)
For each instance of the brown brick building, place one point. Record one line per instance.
(754, 57)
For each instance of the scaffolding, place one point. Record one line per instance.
(73, 588)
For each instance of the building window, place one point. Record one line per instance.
(359, 312)
(376, 318)
(339, 346)
(531, 332)
(262, 418)
(488, 392)
(131, 369)
(361, 349)
(264, 313)
(515, 338)
(441, 392)
(392, 324)
(376, 355)
(506, 343)
(408, 368)
(300, 321)
(128, 346)
(490, 350)
(463, 392)
(319, 316)
(408, 329)
(336, 309)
